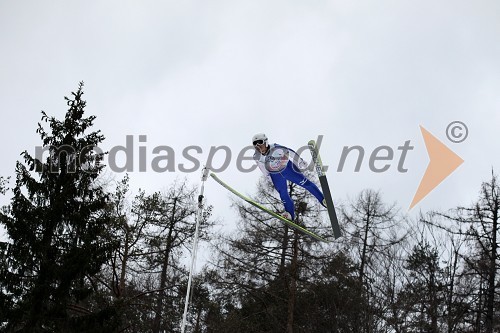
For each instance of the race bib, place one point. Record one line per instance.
(277, 159)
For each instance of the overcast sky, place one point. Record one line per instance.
(212, 73)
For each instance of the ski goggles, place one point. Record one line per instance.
(258, 142)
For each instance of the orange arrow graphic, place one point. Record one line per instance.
(442, 163)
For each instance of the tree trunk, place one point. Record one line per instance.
(364, 251)
(490, 292)
(124, 262)
(284, 246)
(450, 320)
(163, 276)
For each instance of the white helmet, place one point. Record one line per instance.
(258, 137)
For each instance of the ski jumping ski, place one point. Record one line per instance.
(264, 209)
(326, 189)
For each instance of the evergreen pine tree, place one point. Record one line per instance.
(58, 231)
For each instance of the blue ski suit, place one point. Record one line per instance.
(289, 170)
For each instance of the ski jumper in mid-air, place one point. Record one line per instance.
(281, 164)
